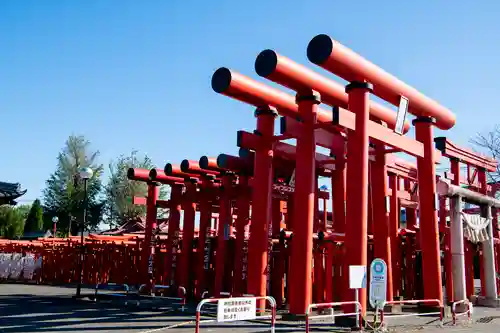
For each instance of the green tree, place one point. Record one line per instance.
(63, 195)
(34, 220)
(24, 210)
(120, 190)
(11, 222)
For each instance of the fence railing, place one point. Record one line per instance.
(124, 288)
(430, 302)
(155, 289)
(357, 313)
(468, 312)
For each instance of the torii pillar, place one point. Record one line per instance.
(489, 259)
(356, 235)
(261, 203)
(381, 239)
(431, 255)
(304, 204)
(148, 250)
(457, 249)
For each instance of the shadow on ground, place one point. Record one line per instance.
(28, 313)
(20, 313)
(26, 308)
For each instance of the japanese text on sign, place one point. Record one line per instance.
(206, 249)
(244, 267)
(150, 264)
(269, 252)
(233, 309)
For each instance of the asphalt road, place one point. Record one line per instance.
(30, 308)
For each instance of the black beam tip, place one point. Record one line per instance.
(130, 173)
(266, 63)
(221, 80)
(168, 169)
(222, 160)
(153, 173)
(319, 49)
(185, 165)
(203, 162)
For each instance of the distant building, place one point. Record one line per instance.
(137, 226)
(9, 192)
(36, 234)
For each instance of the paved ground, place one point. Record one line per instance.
(30, 308)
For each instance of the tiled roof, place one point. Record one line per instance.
(37, 234)
(136, 226)
(11, 190)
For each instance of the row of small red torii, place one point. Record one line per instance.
(358, 132)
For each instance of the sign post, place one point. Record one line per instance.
(378, 283)
(401, 115)
(357, 280)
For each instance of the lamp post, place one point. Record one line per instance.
(85, 174)
(69, 225)
(55, 219)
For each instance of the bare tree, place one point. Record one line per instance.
(490, 143)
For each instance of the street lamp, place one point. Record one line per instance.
(55, 219)
(85, 174)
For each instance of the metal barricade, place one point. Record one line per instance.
(424, 301)
(454, 313)
(112, 287)
(270, 299)
(181, 294)
(142, 288)
(358, 312)
(223, 294)
(181, 291)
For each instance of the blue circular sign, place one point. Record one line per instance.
(378, 267)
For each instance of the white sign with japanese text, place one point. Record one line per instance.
(236, 308)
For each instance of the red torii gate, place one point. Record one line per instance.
(243, 168)
(364, 77)
(143, 175)
(481, 165)
(358, 71)
(185, 201)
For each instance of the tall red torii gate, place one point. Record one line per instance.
(356, 124)
(144, 175)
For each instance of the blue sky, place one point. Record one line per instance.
(136, 74)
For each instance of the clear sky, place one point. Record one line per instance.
(136, 74)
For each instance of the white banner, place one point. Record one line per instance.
(14, 266)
